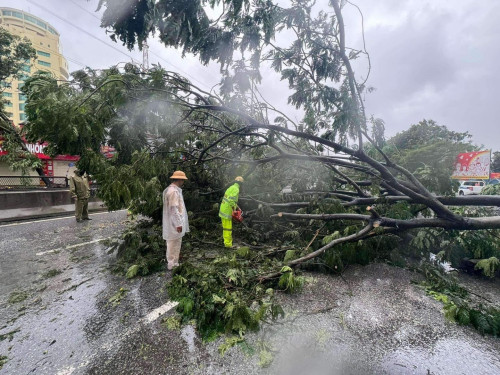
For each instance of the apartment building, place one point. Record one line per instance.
(45, 39)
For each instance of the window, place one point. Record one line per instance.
(20, 85)
(7, 13)
(7, 85)
(8, 104)
(44, 63)
(22, 116)
(17, 14)
(53, 31)
(22, 97)
(21, 106)
(26, 68)
(41, 24)
(7, 95)
(45, 54)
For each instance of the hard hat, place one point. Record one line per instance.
(239, 179)
(179, 175)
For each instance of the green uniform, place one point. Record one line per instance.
(229, 204)
(80, 190)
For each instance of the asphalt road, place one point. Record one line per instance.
(62, 311)
(55, 289)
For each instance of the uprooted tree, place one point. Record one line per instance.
(347, 195)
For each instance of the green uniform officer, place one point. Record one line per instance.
(80, 190)
(228, 205)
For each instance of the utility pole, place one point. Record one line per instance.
(145, 56)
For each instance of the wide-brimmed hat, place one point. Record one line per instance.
(179, 175)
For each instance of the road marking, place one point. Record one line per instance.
(106, 347)
(53, 219)
(156, 313)
(73, 246)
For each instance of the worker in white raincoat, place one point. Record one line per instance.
(175, 218)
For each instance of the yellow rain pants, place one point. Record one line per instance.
(227, 232)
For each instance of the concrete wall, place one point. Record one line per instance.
(26, 204)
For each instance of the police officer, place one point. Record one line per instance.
(80, 191)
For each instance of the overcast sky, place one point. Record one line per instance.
(432, 59)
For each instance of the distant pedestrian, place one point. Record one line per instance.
(175, 218)
(80, 191)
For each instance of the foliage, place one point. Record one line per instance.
(172, 323)
(17, 296)
(224, 295)
(141, 250)
(288, 281)
(459, 245)
(116, 299)
(495, 162)
(158, 121)
(17, 157)
(15, 53)
(241, 25)
(458, 306)
(3, 360)
(429, 150)
(132, 271)
(15, 56)
(491, 190)
(488, 266)
(51, 273)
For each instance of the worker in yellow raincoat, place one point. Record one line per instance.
(228, 205)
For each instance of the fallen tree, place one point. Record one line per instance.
(357, 203)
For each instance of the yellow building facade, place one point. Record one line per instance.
(45, 40)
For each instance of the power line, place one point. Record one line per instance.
(75, 61)
(150, 50)
(80, 29)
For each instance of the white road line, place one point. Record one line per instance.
(53, 219)
(156, 313)
(151, 317)
(73, 246)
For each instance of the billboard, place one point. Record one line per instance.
(472, 165)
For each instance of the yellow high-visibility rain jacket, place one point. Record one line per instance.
(230, 201)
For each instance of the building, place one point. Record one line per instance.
(45, 40)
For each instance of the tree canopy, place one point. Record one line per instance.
(351, 195)
(15, 56)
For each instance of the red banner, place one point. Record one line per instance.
(472, 165)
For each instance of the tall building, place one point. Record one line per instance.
(45, 39)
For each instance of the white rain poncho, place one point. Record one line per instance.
(174, 213)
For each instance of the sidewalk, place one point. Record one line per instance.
(19, 205)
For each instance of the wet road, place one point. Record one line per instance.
(63, 311)
(55, 289)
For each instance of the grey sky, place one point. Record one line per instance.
(431, 59)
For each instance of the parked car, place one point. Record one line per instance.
(471, 187)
